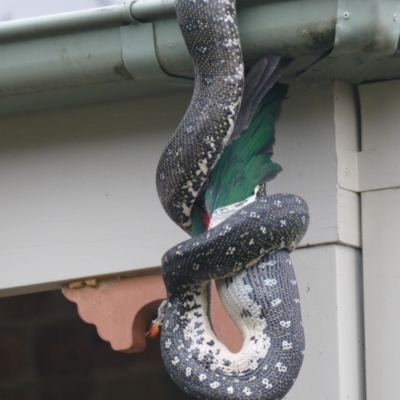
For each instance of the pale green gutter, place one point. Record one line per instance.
(68, 22)
(106, 54)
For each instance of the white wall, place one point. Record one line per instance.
(79, 194)
(79, 200)
(381, 235)
(330, 282)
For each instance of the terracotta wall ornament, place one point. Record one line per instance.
(122, 310)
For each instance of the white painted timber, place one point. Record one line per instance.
(381, 254)
(377, 165)
(381, 232)
(370, 169)
(380, 135)
(347, 134)
(308, 136)
(379, 168)
(305, 148)
(349, 218)
(330, 284)
(346, 109)
(78, 195)
(348, 170)
(380, 115)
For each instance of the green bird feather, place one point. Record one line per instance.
(244, 164)
(247, 162)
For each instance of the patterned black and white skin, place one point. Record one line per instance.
(246, 248)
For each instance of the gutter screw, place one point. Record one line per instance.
(395, 17)
(346, 15)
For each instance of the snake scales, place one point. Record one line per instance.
(246, 249)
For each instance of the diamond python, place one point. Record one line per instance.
(248, 244)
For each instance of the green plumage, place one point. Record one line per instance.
(245, 163)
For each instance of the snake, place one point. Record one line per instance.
(247, 247)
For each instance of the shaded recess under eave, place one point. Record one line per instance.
(136, 49)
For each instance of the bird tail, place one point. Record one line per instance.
(260, 79)
(246, 161)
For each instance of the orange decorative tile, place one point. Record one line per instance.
(122, 310)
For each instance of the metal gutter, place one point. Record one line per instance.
(67, 22)
(104, 54)
(303, 30)
(136, 49)
(366, 42)
(130, 12)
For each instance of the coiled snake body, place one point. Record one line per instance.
(248, 252)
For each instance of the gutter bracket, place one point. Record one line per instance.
(367, 32)
(127, 12)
